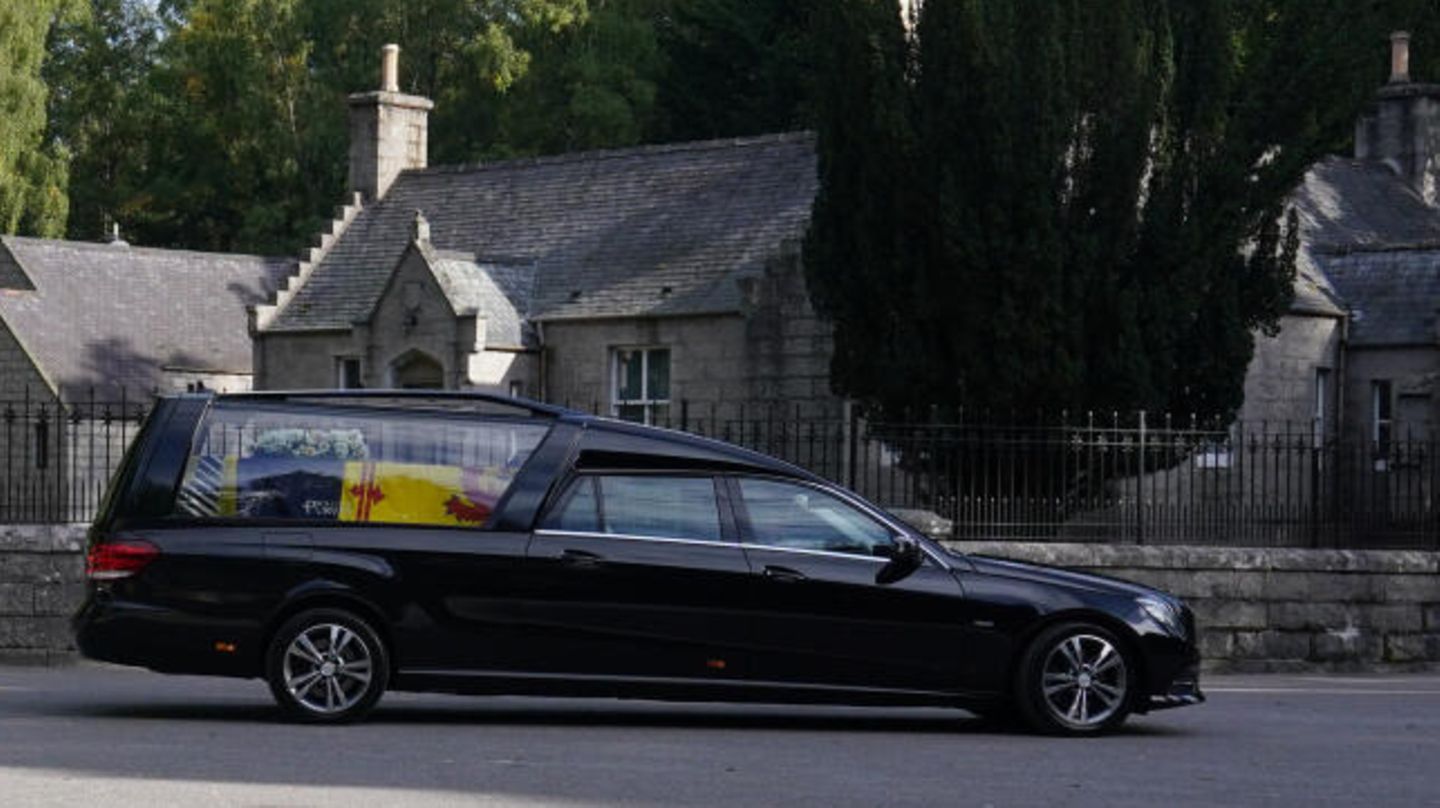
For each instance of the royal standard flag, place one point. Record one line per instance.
(420, 494)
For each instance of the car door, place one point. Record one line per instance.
(821, 616)
(642, 577)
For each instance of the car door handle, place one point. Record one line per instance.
(783, 574)
(580, 558)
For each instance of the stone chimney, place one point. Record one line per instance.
(1401, 126)
(1400, 57)
(389, 131)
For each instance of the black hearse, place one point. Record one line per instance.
(342, 543)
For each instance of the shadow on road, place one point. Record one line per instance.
(602, 714)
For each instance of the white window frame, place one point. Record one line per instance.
(1322, 404)
(1379, 424)
(646, 402)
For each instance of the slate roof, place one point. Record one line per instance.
(650, 231)
(500, 293)
(1345, 204)
(1372, 244)
(1314, 294)
(1394, 294)
(113, 316)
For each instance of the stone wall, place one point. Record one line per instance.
(1279, 609)
(18, 374)
(788, 345)
(707, 361)
(1280, 381)
(42, 573)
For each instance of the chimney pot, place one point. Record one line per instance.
(1400, 57)
(390, 68)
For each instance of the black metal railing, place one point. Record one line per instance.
(56, 458)
(1119, 478)
(1122, 478)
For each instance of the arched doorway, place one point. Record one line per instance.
(417, 371)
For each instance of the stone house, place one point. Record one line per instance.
(1358, 354)
(660, 283)
(88, 332)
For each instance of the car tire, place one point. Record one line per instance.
(1075, 679)
(326, 666)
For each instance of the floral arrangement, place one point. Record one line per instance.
(341, 444)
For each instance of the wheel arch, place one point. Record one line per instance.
(1122, 631)
(341, 599)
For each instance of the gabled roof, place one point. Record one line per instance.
(499, 293)
(650, 231)
(113, 316)
(1345, 204)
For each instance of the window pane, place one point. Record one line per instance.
(671, 507)
(789, 515)
(629, 370)
(296, 462)
(631, 412)
(658, 375)
(580, 511)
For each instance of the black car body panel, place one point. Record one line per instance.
(528, 603)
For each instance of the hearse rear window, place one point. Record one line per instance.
(286, 462)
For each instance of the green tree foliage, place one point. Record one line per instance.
(98, 74)
(736, 67)
(222, 125)
(1092, 203)
(591, 86)
(32, 173)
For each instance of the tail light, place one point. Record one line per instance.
(118, 558)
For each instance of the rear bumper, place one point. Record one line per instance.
(127, 633)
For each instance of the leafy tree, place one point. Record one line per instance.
(591, 86)
(98, 74)
(858, 255)
(32, 173)
(736, 67)
(1093, 207)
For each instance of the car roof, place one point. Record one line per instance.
(608, 443)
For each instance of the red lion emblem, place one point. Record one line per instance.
(475, 507)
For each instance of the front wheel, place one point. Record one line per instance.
(326, 666)
(1075, 679)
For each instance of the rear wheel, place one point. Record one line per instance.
(1075, 679)
(326, 666)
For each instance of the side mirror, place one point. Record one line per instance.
(906, 558)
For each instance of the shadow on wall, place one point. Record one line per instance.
(114, 367)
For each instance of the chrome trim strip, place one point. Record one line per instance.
(805, 551)
(586, 534)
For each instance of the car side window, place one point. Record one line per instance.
(663, 506)
(579, 510)
(799, 517)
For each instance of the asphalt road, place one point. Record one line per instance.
(114, 736)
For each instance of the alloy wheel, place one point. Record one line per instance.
(327, 668)
(1084, 681)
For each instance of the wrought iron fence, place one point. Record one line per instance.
(56, 457)
(1132, 478)
(1115, 479)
